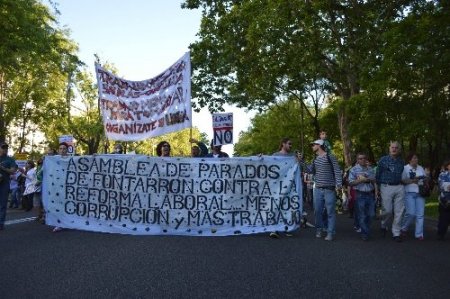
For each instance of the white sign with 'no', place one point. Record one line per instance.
(223, 128)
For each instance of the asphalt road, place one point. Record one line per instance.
(36, 263)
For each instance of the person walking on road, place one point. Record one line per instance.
(284, 151)
(412, 175)
(444, 201)
(362, 178)
(7, 167)
(328, 179)
(389, 179)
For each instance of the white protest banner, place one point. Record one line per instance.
(144, 195)
(223, 128)
(137, 110)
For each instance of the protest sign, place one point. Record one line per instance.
(180, 196)
(222, 128)
(137, 110)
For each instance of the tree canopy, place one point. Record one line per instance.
(257, 53)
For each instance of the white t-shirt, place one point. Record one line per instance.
(418, 172)
(29, 181)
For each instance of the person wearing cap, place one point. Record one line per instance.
(327, 178)
(8, 166)
(216, 151)
(389, 179)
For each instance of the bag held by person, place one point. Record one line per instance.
(425, 187)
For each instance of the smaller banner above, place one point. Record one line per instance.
(138, 110)
(222, 128)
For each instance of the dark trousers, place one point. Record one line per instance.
(444, 220)
(4, 194)
(27, 202)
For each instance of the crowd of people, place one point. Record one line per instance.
(399, 187)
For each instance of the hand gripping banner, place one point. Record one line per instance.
(143, 195)
(137, 110)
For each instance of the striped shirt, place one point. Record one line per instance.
(323, 172)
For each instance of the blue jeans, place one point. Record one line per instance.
(325, 198)
(366, 211)
(15, 197)
(415, 207)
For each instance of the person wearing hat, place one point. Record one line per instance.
(216, 151)
(8, 166)
(327, 178)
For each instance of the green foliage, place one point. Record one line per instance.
(283, 120)
(179, 143)
(35, 58)
(384, 62)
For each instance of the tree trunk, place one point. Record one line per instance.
(2, 106)
(345, 138)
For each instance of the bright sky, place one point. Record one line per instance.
(141, 38)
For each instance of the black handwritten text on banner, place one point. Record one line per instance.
(137, 110)
(181, 196)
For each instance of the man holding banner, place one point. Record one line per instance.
(284, 151)
(216, 152)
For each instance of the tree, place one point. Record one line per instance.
(80, 116)
(252, 53)
(35, 58)
(269, 128)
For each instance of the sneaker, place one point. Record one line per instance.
(318, 234)
(274, 235)
(397, 239)
(329, 237)
(287, 234)
(57, 229)
(357, 229)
